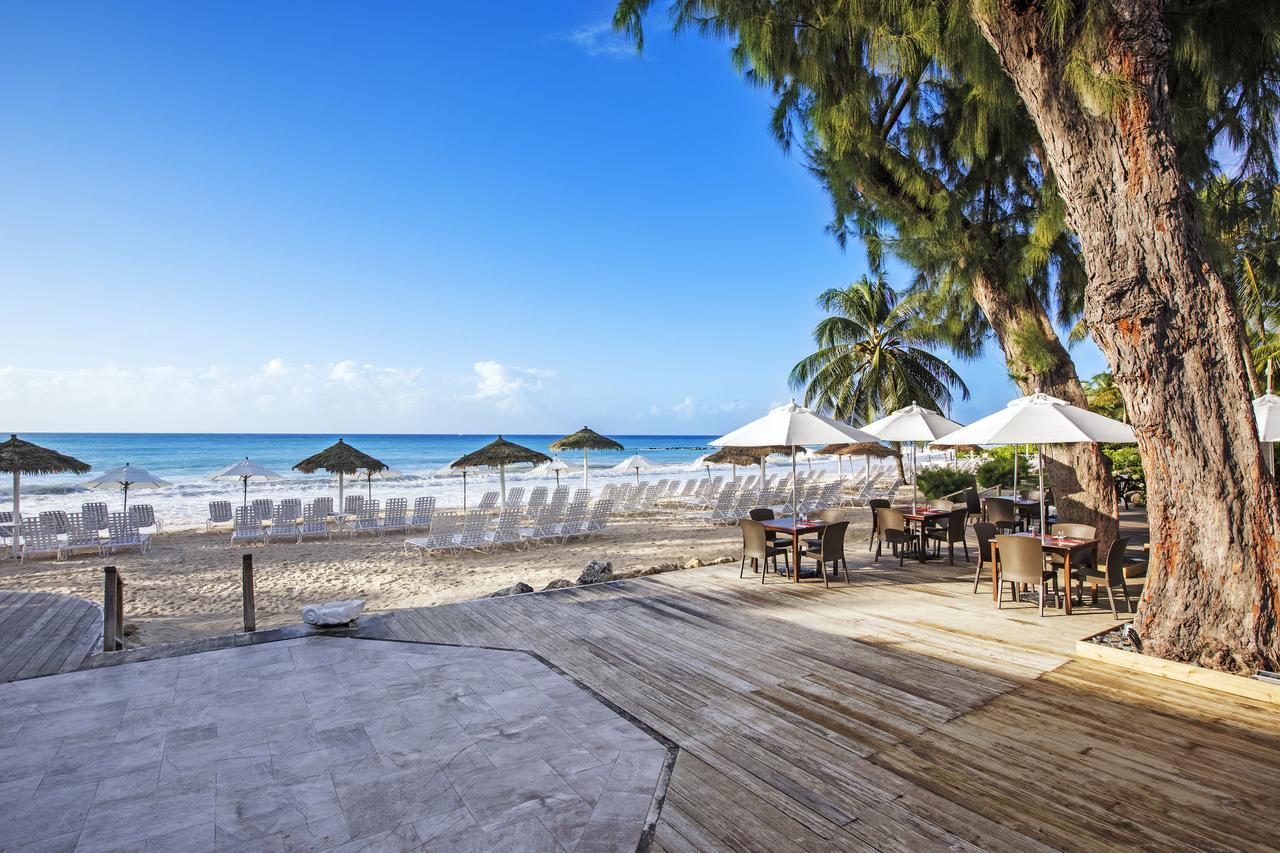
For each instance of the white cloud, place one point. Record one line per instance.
(509, 388)
(685, 408)
(601, 40)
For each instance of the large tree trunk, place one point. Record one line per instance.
(1083, 489)
(1168, 326)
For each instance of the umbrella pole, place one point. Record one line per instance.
(913, 475)
(341, 508)
(502, 484)
(558, 480)
(17, 512)
(245, 500)
(762, 478)
(585, 451)
(735, 472)
(795, 510)
(1040, 465)
(637, 475)
(126, 498)
(1015, 470)
(464, 491)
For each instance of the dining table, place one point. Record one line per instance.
(922, 515)
(795, 528)
(1066, 546)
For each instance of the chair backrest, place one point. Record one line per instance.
(1021, 559)
(473, 528)
(314, 517)
(761, 513)
(423, 509)
(219, 511)
(956, 523)
(877, 504)
(972, 502)
(833, 541)
(323, 506)
(292, 507)
(600, 512)
(1001, 509)
(369, 511)
(508, 524)
(1116, 561)
(537, 498)
(832, 515)
(582, 495)
(515, 497)
(281, 518)
(95, 513)
(142, 515)
(940, 503)
(120, 528)
(37, 536)
(488, 500)
(754, 542)
(351, 504)
(55, 520)
(986, 531)
(397, 509)
(1073, 530)
(247, 520)
(888, 518)
(262, 506)
(444, 525)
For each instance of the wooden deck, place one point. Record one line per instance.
(42, 633)
(902, 712)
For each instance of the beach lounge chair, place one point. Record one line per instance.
(515, 497)
(95, 515)
(292, 508)
(144, 516)
(122, 532)
(263, 507)
(81, 538)
(315, 522)
(366, 521)
(575, 520)
(284, 526)
(599, 518)
(393, 518)
(543, 527)
(37, 539)
(537, 500)
(351, 504)
(488, 502)
(219, 513)
(323, 506)
(444, 532)
(689, 486)
(55, 520)
(247, 527)
(423, 509)
(507, 529)
(473, 530)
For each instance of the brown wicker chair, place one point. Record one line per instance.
(756, 548)
(1115, 575)
(973, 504)
(764, 513)
(891, 527)
(1021, 560)
(830, 550)
(828, 516)
(950, 532)
(986, 531)
(1004, 515)
(876, 504)
(1080, 562)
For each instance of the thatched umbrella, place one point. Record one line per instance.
(500, 453)
(586, 440)
(869, 449)
(744, 456)
(20, 457)
(341, 459)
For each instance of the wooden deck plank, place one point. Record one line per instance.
(43, 633)
(901, 712)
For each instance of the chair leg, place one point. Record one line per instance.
(876, 558)
(977, 573)
(1128, 606)
(742, 567)
(951, 553)
(1111, 595)
(1040, 590)
(822, 570)
(845, 564)
(966, 550)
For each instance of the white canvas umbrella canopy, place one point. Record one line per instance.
(792, 426)
(244, 471)
(126, 478)
(556, 466)
(1266, 410)
(635, 463)
(1040, 419)
(912, 424)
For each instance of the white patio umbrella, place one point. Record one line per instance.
(128, 477)
(244, 471)
(448, 471)
(1040, 419)
(1266, 410)
(556, 466)
(635, 463)
(911, 424)
(792, 426)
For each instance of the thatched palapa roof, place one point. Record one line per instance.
(500, 452)
(340, 458)
(743, 455)
(863, 448)
(585, 439)
(27, 458)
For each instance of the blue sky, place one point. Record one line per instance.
(395, 217)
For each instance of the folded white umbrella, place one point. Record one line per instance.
(911, 424)
(1040, 419)
(792, 426)
(1266, 410)
(635, 463)
(556, 466)
(128, 477)
(244, 471)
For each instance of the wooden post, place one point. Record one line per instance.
(246, 586)
(112, 609)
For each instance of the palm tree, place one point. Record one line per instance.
(870, 359)
(1104, 396)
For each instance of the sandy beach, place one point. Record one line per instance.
(189, 584)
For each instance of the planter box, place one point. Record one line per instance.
(1236, 685)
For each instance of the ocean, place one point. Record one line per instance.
(187, 460)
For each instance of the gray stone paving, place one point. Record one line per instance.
(321, 744)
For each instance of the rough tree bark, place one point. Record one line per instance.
(1170, 330)
(1083, 488)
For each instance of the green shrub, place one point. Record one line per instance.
(1124, 460)
(996, 472)
(936, 481)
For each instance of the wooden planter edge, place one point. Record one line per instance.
(1225, 682)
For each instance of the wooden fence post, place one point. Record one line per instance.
(112, 609)
(246, 586)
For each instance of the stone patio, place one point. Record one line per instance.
(323, 744)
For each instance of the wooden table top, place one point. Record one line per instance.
(792, 525)
(920, 513)
(1054, 543)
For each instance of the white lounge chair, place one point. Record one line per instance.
(219, 513)
(393, 518)
(474, 529)
(537, 500)
(366, 521)
(263, 507)
(38, 539)
(95, 515)
(315, 522)
(507, 530)
(599, 518)
(247, 527)
(144, 516)
(423, 509)
(123, 533)
(284, 526)
(488, 502)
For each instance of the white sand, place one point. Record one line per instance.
(189, 585)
